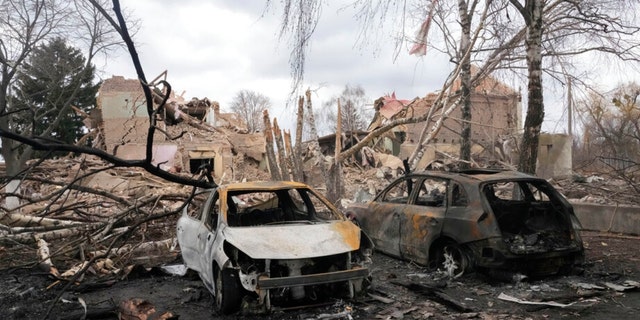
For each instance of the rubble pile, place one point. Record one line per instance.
(73, 210)
(599, 189)
(70, 218)
(86, 201)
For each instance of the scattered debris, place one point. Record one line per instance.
(438, 295)
(45, 258)
(82, 201)
(587, 286)
(175, 269)
(627, 285)
(340, 315)
(139, 309)
(380, 298)
(506, 297)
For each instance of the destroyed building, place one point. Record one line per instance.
(496, 126)
(496, 121)
(193, 132)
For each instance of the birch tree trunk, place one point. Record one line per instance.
(297, 154)
(335, 187)
(532, 13)
(465, 82)
(314, 146)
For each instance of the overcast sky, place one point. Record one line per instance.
(216, 48)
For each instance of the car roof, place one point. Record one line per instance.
(477, 175)
(262, 185)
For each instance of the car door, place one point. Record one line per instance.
(189, 229)
(422, 218)
(206, 236)
(385, 215)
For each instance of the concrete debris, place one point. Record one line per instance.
(395, 165)
(174, 269)
(106, 182)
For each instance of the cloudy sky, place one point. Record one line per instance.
(216, 48)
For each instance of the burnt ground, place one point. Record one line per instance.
(408, 291)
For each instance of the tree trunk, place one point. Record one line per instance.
(282, 159)
(535, 103)
(335, 187)
(297, 155)
(8, 147)
(271, 155)
(292, 160)
(17, 220)
(314, 146)
(465, 84)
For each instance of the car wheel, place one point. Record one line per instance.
(452, 259)
(227, 298)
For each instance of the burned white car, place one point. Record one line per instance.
(269, 244)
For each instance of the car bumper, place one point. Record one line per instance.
(265, 282)
(494, 255)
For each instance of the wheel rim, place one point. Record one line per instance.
(454, 261)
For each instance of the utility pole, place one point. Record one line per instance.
(569, 109)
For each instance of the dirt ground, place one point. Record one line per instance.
(400, 290)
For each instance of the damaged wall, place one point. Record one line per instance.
(496, 119)
(494, 116)
(124, 113)
(554, 155)
(194, 141)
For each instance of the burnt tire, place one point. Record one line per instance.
(452, 259)
(228, 291)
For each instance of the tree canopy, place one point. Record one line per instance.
(354, 113)
(249, 105)
(54, 77)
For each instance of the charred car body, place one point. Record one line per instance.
(495, 221)
(273, 243)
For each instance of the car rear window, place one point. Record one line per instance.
(516, 190)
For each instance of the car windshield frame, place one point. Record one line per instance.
(295, 205)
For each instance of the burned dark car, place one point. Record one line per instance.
(264, 244)
(502, 222)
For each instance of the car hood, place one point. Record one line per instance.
(295, 241)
